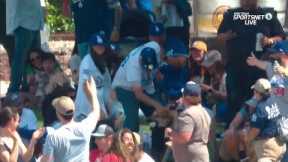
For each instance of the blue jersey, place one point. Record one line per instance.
(174, 80)
(265, 118)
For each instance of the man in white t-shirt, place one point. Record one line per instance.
(70, 142)
(133, 83)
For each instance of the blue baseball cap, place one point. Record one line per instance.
(176, 47)
(191, 89)
(156, 29)
(149, 58)
(280, 47)
(97, 39)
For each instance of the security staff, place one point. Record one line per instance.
(247, 29)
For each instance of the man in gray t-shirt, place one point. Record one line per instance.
(70, 142)
(190, 134)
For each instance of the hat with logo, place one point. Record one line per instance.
(199, 45)
(103, 130)
(176, 47)
(191, 89)
(156, 29)
(64, 105)
(211, 58)
(97, 39)
(149, 58)
(262, 86)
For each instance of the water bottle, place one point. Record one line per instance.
(277, 82)
(258, 46)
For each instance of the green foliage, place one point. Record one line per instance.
(56, 21)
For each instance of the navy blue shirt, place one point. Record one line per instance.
(265, 118)
(174, 80)
(92, 16)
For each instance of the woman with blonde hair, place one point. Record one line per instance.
(124, 148)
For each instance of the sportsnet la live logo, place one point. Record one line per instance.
(251, 20)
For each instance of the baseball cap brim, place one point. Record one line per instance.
(99, 135)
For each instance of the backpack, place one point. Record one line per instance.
(282, 126)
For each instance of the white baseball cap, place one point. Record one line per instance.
(103, 130)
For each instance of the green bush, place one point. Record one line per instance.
(56, 21)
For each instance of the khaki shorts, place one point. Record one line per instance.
(269, 150)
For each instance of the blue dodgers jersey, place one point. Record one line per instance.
(265, 118)
(174, 80)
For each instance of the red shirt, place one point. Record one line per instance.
(96, 155)
(112, 157)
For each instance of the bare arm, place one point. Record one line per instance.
(141, 96)
(28, 153)
(5, 156)
(219, 94)
(253, 61)
(252, 134)
(236, 121)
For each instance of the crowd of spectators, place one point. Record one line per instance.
(94, 109)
